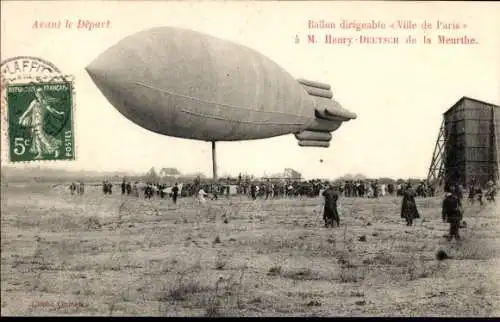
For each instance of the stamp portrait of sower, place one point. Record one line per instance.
(40, 121)
(34, 118)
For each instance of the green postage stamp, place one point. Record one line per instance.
(40, 122)
(39, 114)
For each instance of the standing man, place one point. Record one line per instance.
(148, 192)
(201, 195)
(362, 189)
(390, 189)
(491, 191)
(135, 189)
(409, 209)
(375, 189)
(479, 193)
(215, 191)
(268, 189)
(175, 193)
(472, 191)
(124, 186)
(330, 212)
(253, 191)
(72, 188)
(452, 213)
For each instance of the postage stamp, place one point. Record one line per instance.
(39, 102)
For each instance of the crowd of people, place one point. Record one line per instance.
(452, 207)
(77, 187)
(273, 189)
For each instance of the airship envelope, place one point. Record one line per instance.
(186, 84)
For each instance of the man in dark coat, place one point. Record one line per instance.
(124, 187)
(452, 212)
(253, 191)
(175, 193)
(215, 191)
(148, 191)
(376, 189)
(161, 189)
(361, 189)
(330, 213)
(409, 209)
(390, 189)
(72, 188)
(268, 188)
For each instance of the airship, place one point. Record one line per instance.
(186, 84)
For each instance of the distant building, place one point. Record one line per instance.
(471, 142)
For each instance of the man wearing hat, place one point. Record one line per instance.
(409, 209)
(452, 212)
(330, 213)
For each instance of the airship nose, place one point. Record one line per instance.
(89, 71)
(95, 73)
(105, 76)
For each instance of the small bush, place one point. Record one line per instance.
(220, 264)
(182, 291)
(275, 270)
(301, 274)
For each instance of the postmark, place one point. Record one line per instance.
(38, 108)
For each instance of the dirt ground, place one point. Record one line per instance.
(119, 255)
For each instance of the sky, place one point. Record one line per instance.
(398, 92)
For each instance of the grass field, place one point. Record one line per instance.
(114, 255)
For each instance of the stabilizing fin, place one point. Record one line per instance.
(314, 136)
(318, 92)
(312, 143)
(328, 112)
(313, 84)
(321, 125)
(331, 110)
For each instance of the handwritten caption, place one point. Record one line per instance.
(72, 24)
(376, 32)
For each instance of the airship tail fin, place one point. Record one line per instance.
(314, 84)
(328, 112)
(312, 143)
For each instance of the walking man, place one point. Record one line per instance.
(409, 209)
(452, 213)
(330, 212)
(253, 191)
(124, 187)
(175, 193)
